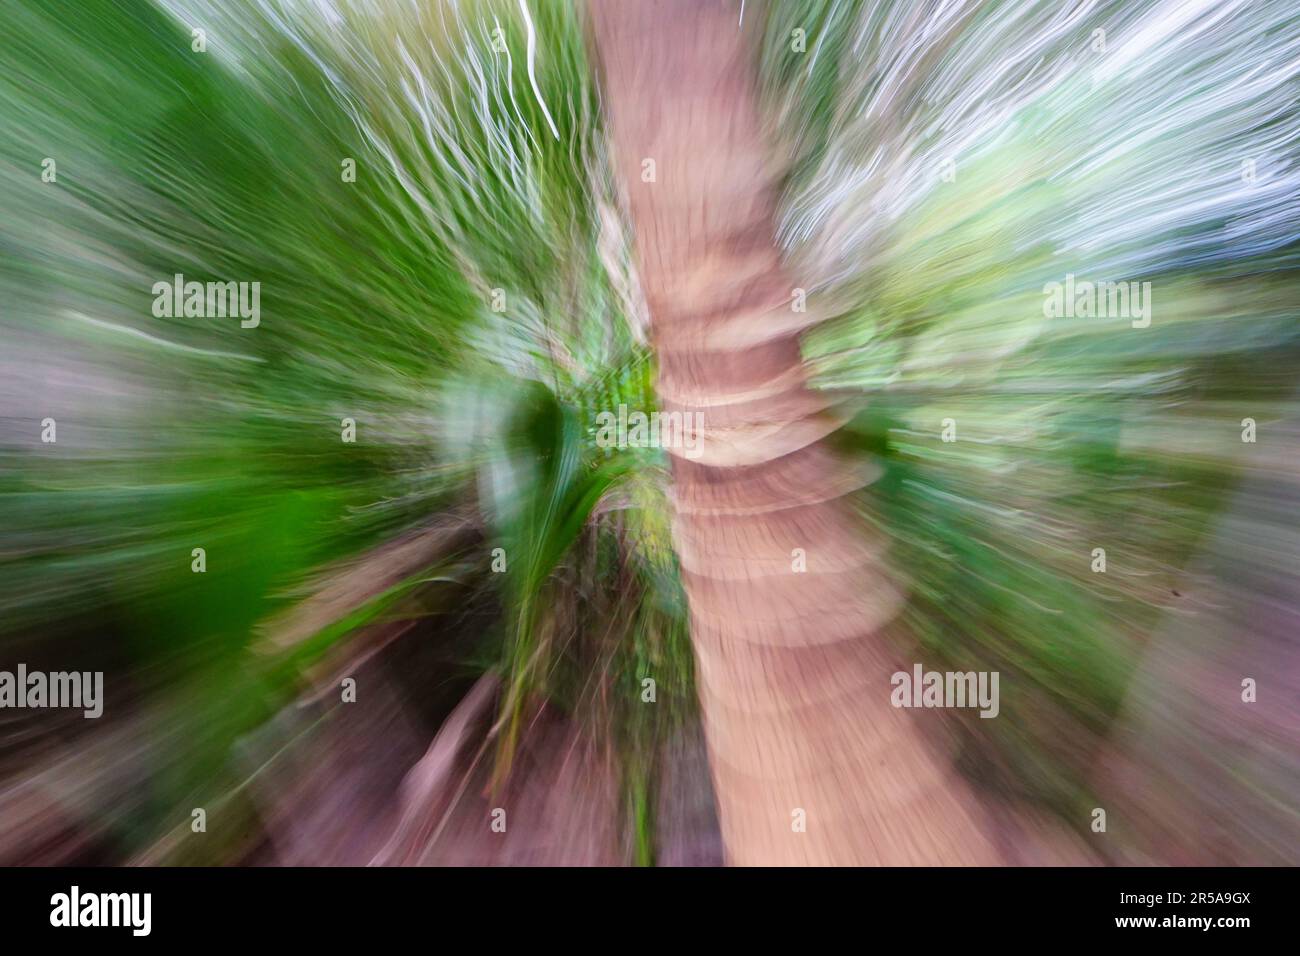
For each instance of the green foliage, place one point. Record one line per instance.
(377, 306)
(948, 168)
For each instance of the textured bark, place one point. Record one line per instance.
(793, 672)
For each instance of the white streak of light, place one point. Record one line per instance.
(532, 60)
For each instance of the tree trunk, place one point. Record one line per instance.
(794, 675)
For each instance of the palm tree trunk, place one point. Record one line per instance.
(793, 673)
